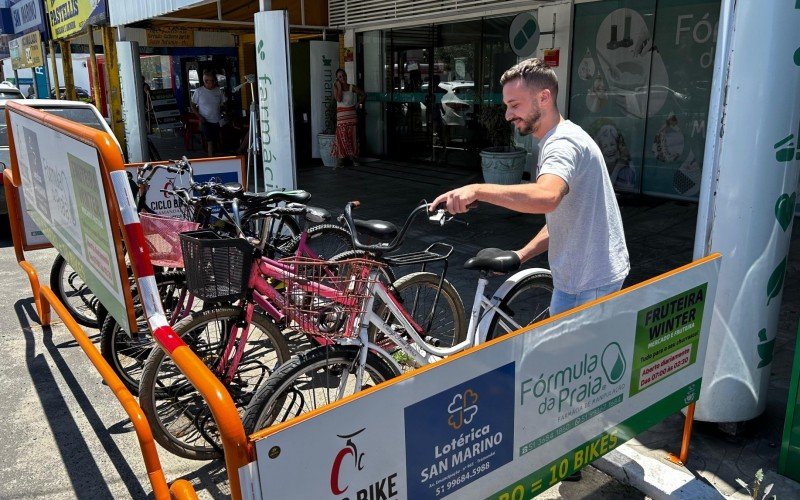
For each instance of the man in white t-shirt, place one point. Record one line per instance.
(207, 103)
(583, 234)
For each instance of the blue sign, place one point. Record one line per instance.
(461, 434)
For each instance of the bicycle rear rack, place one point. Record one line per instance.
(422, 257)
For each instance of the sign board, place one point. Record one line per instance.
(275, 99)
(165, 108)
(27, 14)
(26, 51)
(512, 417)
(170, 38)
(323, 75)
(523, 34)
(69, 17)
(551, 57)
(66, 198)
(223, 169)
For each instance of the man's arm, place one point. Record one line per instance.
(538, 197)
(194, 109)
(537, 246)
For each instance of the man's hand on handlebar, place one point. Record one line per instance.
(457, 201)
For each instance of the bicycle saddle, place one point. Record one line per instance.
(494, 259)
(294, 196)
(380, 229)
(312, 214)
(231, 188)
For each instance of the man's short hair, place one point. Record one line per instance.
(535, 72)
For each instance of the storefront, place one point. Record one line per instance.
(635, 75)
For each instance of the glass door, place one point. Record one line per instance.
(409, 75)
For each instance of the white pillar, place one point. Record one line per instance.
(747, 204)
(130, 80)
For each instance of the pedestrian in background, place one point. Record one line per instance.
(348, 98)
(207, 104)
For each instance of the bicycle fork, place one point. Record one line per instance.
(237, 340)
(363, 339)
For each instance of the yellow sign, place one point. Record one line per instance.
(70, 17)
(26, 51)
(170, 38)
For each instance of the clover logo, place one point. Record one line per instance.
(462, 409)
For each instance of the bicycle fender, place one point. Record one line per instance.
(499, 295)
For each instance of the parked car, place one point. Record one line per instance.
(77, 111)
(81, 92)
(9, 91)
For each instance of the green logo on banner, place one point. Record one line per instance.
(797, 57)
(613, 362)
(787, 151)
(784, 209)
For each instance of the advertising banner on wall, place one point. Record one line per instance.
(512, 418)
(26, 51)
(640, 88)
(66, 199)
(324, 57)
(276, 123)
(69, 17)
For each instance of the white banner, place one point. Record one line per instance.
(227, 169)
(66, 199)
(26, 14)
(324, 62)
(275, 99)
(513, 417)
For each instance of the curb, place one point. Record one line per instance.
(654, 478)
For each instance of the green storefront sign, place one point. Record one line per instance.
(789, 462)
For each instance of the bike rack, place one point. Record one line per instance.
(238, 449)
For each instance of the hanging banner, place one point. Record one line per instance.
(68, 17)
(26, 51)
(509, 419)
(170, 38)
(323, 75)
(275, 99)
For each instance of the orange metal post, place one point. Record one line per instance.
(687, 437)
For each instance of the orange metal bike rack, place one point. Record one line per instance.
(238, 449)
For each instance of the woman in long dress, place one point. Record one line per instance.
(348, 98)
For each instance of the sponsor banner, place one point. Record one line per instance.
(66, 199)
(26, 51)
(170, 38)
(226, 169)
(27, 14)
(550, 400)
(275, 100)
(165, 108)
(68, 17)
(323, 75)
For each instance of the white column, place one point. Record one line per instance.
(130, 80)
(748, 196)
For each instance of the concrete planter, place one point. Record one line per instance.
(325, 142)
(503, 165)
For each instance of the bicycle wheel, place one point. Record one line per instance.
(73, 292)
(179, 416)
(126, 352)
(445, 326)
(526, 303)
(311, 380)
(324, 240)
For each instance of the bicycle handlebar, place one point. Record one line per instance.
(440, 217)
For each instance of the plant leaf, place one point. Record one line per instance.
(768, 489)
(742, 484)
(775, 283)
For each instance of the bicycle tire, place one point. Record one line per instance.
(325, 240)
(179, 417)
(127, 353)
(386, 273)
(416, 292)
(301, 374)
(527, 302)
(73, 292)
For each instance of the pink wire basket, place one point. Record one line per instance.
(162, 235)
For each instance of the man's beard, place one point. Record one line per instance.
(529, 123)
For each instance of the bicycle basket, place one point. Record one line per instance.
(326, 298)
(161, 234)
(217, 268)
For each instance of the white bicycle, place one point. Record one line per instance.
(390, 338)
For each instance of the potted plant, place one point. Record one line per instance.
(328, 135)
(503, 162)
